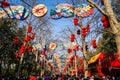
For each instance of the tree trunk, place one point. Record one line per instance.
(113, 23)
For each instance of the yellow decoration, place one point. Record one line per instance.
(93, 59)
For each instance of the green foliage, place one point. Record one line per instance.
(107, 42)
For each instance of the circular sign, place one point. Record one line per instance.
(39, 10)
(52, 46)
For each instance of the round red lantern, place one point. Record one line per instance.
(5, 4)
(104, 18)
(22, 49)
(69, 50)
(78, 32)
(94, 44)
(88, 28)
(75, 21)
(83, 32)
(29, 29)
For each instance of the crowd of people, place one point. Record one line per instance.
(60, 77)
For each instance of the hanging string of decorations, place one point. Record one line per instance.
(67, 10)
(13, 12)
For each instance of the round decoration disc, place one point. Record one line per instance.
(39, 10)
(52, 46)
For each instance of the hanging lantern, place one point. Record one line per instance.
(17, 55)
(104, 18)
(16, 39)
(83, 32)
(33, 36)
(22, 49)
(75, 21)
(88, 28)
(5, 4)
(105, 22)
(94, 44)
(69, 50)
(72, 37)
(78, 32)
(29, 48)
(27, 38)
(29, 29)
(86, 47)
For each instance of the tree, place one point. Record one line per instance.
(114, 24)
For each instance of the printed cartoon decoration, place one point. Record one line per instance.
(84, 10)
(14, 12)
(39, 10)
(67, 10)
(62, 10)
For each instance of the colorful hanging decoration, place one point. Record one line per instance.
(84, 10)
(39, 10)
(67, 10)
(62, 10)
(14, 12)
(52, 46)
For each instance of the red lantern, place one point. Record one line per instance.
(29, 48)
(5, 4)
(16, 38)
(106, 24)
(29, 29)
(17, 55)
(105, 21)
(27, 38)
(83, 32)
(75, 21)
(104, 18)
(94, 43)
(78, 32)
(88, 28)
(69, 50)
(33, 36)
(22, 49)
(86, 47)
(72, 37)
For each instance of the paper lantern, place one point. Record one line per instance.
(29, 48)
(27, 38)
(105, 22)
(75, 21)
(78, 32)
(69, 50)
(29, 29)
(33, 36)
(94, 44)
(72, 37)
(83, 32)
(17, 55)
(5, 4)
(16, 39)
(22, 49)
(104, 18)
(88, 28)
